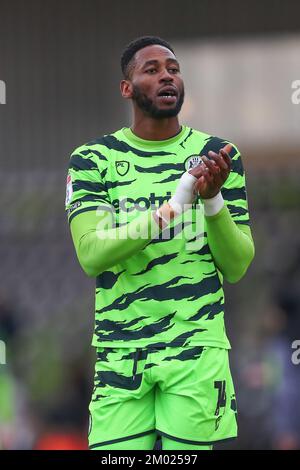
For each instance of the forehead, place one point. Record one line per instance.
(154, 52)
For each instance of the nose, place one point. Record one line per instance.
(166, 76)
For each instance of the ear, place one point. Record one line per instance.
(126, 89)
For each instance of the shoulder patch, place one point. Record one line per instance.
(73, 207)
(69, 189)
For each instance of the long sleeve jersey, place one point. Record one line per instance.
(155, 287)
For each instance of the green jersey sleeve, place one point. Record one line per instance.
(100, 246)
(85, 189)
(229, 235)
(231, 245)
(99, 242)
(234, 190)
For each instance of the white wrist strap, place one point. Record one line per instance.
(184, 194)
(214, 205)
(160, 216)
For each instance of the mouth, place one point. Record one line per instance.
(168, 95)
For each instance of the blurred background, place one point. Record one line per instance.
(59, 88)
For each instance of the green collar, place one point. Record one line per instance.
(134, 139)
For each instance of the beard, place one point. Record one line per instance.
(150, 109)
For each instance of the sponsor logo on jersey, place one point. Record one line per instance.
(69, 190)
(129, 204)
(122, 167)
(192, 161)
(142, 203)
(73, 207)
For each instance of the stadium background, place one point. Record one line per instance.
(60, 63)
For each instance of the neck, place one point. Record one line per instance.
(155, 129)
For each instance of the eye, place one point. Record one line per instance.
(151, 71)
(174, 70)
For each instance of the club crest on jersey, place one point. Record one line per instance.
(69, 190)
(122, 167)
(192, 161)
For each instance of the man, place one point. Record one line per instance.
(159, 260)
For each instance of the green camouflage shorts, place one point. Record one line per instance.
(183, 393)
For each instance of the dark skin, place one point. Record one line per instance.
(212, 173)
(153, 69)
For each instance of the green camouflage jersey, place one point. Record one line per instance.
(169, 293)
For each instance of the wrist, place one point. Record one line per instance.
(184, 194)
(213, 205)
(165, 214)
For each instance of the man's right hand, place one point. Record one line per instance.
(182, 199)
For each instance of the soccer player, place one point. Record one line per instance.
(158, 215)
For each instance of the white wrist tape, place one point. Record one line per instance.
(184, 194)
(160, 216)
(214, 205)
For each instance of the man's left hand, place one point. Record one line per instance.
(212, 172)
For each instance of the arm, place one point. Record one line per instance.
(229, 236)
(99, 246)
(231, 245)
(98, 243)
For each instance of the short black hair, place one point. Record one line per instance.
(134, 46)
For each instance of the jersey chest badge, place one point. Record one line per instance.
(122, 167)
(192, 161)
